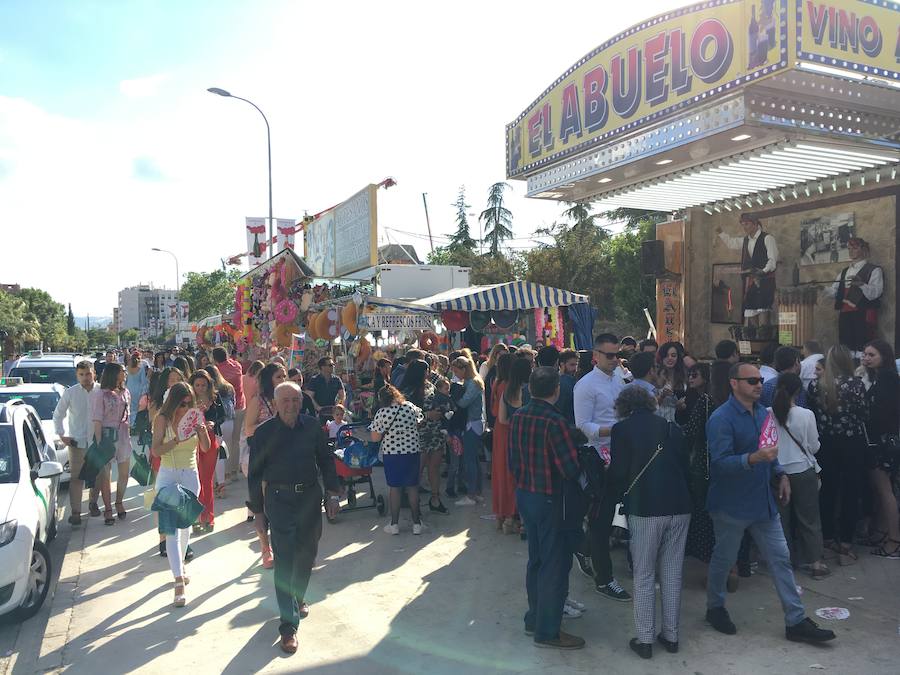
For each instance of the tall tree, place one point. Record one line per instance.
(462, 239)
(16, 322)
(49, 315)
(70, 321)
(497, 219)
(580, 215)
(209, 293)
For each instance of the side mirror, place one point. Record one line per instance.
(49, 469)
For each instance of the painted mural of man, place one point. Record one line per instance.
(759, 259)
(857, 295)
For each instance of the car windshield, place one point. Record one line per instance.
(44, 402)
(46, 374)
(9, 457)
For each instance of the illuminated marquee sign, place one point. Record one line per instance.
(651, 71)
(860, 36)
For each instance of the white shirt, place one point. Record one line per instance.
(808, 369)
(75, 407)
(767, 372)
(595, 399)
(871, 290)
(737, 244)
(802, 423)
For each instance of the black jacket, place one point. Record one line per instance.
(663, 488)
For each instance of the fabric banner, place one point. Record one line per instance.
(284, 234)
(256, 241)
(396, 321)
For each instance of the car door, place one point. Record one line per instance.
(44, 489)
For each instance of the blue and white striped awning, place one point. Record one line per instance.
(511, 295)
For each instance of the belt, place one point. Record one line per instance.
(290, 487)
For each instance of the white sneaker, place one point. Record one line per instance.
(465, 501)
(575, 604)
(392, 529)
(418, 528)
(570, 612)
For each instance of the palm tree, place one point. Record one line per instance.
(497, 218)
(461, 238)
(580, 213)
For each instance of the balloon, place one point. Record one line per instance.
(334, 322)
(322, 325)
(455, 320)
(311, 326)
(479, 320)
(348, 317)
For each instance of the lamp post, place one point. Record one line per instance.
(177, 293)
(226, 94)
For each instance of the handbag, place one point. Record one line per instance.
(659, 448)
(140, 468)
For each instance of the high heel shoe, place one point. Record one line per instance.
(180, 599)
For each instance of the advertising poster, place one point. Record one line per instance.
(824, 239)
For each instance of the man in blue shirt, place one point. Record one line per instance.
(787, 360)
(740, 497)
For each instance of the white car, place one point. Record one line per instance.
(29, 480)
(41, 368)
(43, 398)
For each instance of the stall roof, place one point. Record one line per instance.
(719, 117)
(305, 269)
(511, 295)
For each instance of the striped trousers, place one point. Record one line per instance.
(657, 547)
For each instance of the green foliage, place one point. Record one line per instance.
(130, 335)
(209, 293)
(452, 255)
(15, 320)
(631, 291)
(462, 239)
(49, 315)
(497, 219)
(70, 321)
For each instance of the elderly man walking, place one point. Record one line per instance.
(286, 452)
(742, 466)
(542, 454)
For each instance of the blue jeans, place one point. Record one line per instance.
(549, 562)
(769, 538)
(471, 465)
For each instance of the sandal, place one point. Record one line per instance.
(882, 551)
(819, 572)
(875, 540)
(180, 599)
(93, 509)
(846, 556)
(121, 513)
(108, 517)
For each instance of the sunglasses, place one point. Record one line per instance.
(609, 355)
(752, 381)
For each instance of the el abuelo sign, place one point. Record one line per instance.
(654, 69)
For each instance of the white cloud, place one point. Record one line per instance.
(142, 87)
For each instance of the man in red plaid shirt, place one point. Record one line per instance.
(542, 454)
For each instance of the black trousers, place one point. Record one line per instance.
(843, 473)
(295, 519)
(597, 540)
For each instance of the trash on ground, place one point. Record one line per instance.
(835, 613)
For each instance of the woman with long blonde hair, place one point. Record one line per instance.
(472, 401)
(838, 399)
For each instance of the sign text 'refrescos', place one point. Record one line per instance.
(396, 322)
(650, 71)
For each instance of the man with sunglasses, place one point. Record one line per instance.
(595, 414)
(741, 497)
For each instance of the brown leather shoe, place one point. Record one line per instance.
(289, 644)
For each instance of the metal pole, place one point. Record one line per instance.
(177, 292)
(428, 222)
(271, 245)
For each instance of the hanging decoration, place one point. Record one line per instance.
(454, 319)
(285, 311)
(479, 320)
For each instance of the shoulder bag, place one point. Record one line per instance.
(659, 449)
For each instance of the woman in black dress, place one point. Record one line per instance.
(701, 539)
(883, 458)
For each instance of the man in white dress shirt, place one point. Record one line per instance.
(857, 297)
(75, 407)
(759, 259)
(595, 414)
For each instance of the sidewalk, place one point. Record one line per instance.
(449, 601)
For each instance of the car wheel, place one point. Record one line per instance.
(38, 583)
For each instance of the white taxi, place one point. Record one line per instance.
(29, 479)
(43, 398)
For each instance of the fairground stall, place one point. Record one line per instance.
(516, 312)
(769, 130)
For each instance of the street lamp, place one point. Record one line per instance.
(177, 293)
(226, 94)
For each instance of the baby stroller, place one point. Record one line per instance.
(353, 460)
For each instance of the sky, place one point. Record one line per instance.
(110, 144)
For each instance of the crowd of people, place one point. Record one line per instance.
(797, 456)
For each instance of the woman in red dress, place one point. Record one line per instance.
(512, 376)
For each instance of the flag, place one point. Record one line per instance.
(256, 241)
(284, 236)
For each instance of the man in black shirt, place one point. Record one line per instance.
(285, 453)
(325, 388)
